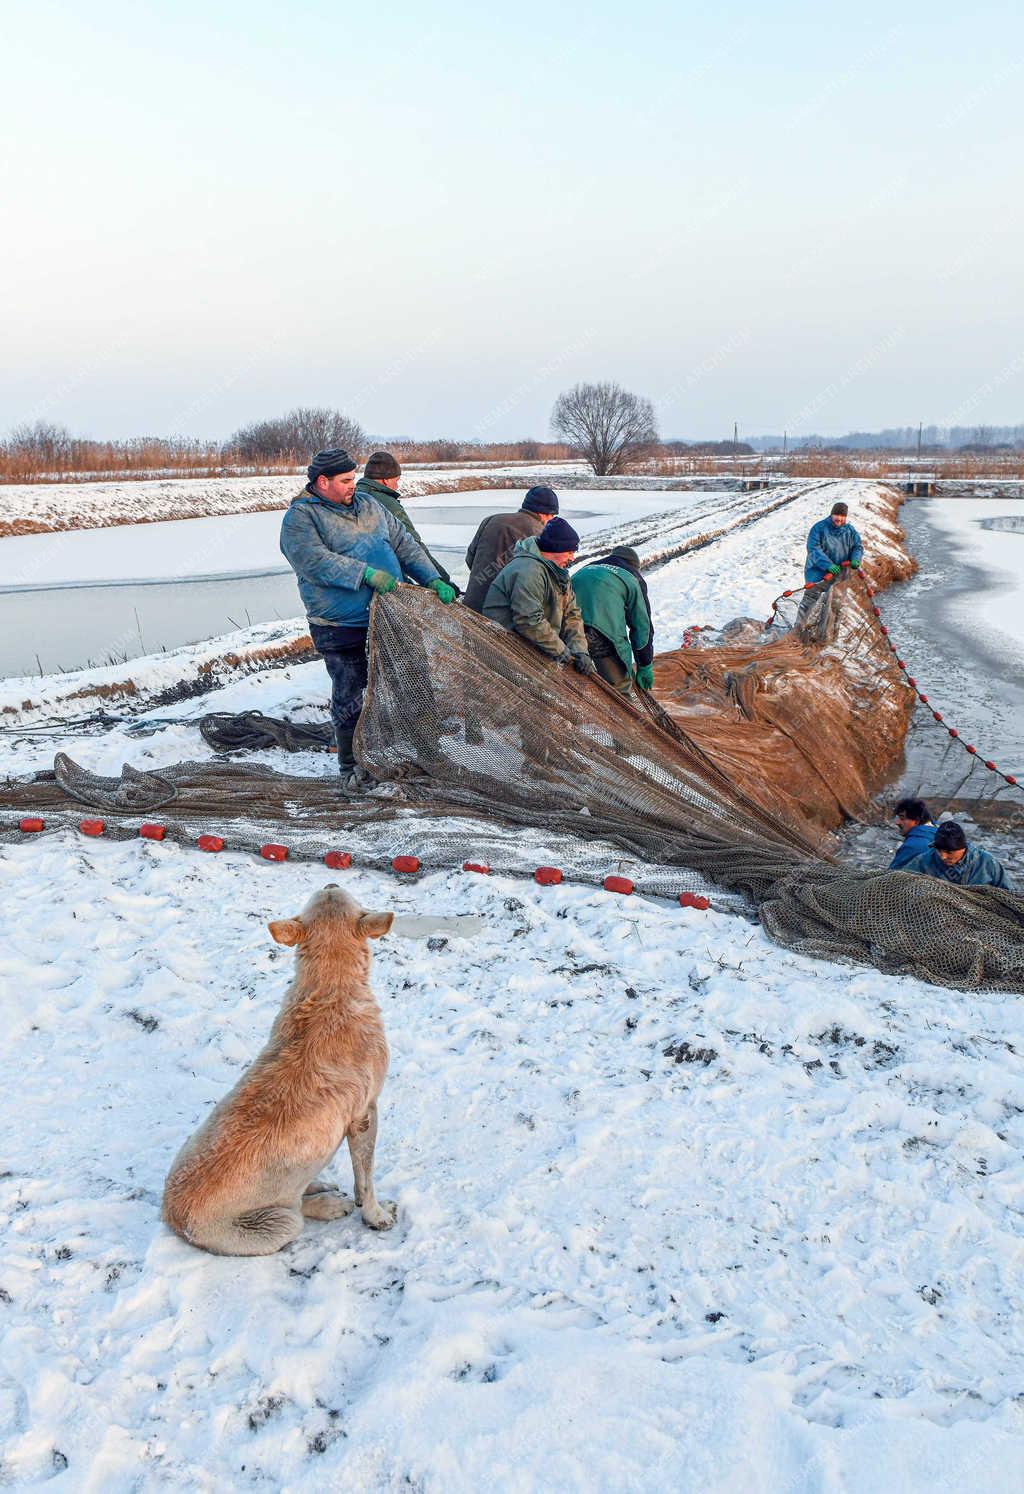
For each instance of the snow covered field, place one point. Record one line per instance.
(677, 1209)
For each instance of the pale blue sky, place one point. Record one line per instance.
(435, 217)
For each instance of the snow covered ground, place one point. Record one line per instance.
(783, 1255)
(677, 1208)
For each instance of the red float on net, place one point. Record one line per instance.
(91, 827)
(953, 731)
(618, 884)
(152, 832)
(337, 860)
(273, 852)
(693, 900)
(30, 825)
(547, 876)
(477, 866)
(210, 843)
(406, 864)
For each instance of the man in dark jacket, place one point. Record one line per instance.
(344, 548)
(533, 596)
(951, 859)
(914, 823)
(617, 618)
(491, 547)
(380, 482)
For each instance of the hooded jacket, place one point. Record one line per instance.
(389, 499)
(915, 843)
(533, 597)
(976, 868)
(612, 596)
(830, 544)
(329, 545)
(491, 548)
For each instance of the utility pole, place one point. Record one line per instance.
(785, 435)
(919, 428)
(735, 438)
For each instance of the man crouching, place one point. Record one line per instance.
(244, 1183)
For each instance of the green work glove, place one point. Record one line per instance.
(645, 676)
(854, 565)
(381, 581)
(833, 570)
(445, 593)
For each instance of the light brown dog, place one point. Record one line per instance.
(245, 1181)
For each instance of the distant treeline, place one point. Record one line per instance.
(45, 452)
(933, 438)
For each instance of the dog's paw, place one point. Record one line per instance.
(380, 1215)
(326, 1204)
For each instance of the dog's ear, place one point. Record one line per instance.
(286, 930)
(374, 925)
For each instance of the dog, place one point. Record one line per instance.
(248, 1178)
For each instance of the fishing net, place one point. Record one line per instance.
(465, 724)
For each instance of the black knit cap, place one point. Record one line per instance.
(382, 464)
(556, 536)
(623, 552)
(840, 508)
(541, 501)
(329, 463)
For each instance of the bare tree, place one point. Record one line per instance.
(611, 426)
(296, 436)
(50, 444)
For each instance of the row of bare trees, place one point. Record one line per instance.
(605, 424)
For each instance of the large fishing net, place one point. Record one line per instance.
(465, 724)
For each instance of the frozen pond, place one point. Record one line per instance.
(960, 624)
(87, 596)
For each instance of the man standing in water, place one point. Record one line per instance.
(344, 548)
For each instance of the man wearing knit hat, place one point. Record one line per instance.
(492, 546)
(533, 596)
(345, 549)
(380, 482)
(616, 613)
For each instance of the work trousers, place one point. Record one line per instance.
(347, 666)
(606, 657)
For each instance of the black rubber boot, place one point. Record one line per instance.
(346, 757)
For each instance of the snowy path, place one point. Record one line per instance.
(791, 1260)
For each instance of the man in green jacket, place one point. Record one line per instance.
(617, 618)
(533, 596)
(380, 482)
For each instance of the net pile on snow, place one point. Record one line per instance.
(809, 717)
(465, 723)
(465, 715)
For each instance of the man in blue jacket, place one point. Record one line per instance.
(344, 548)
(914, 823)
(951, 859)
(830, 542)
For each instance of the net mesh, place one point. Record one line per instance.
(465, 724)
